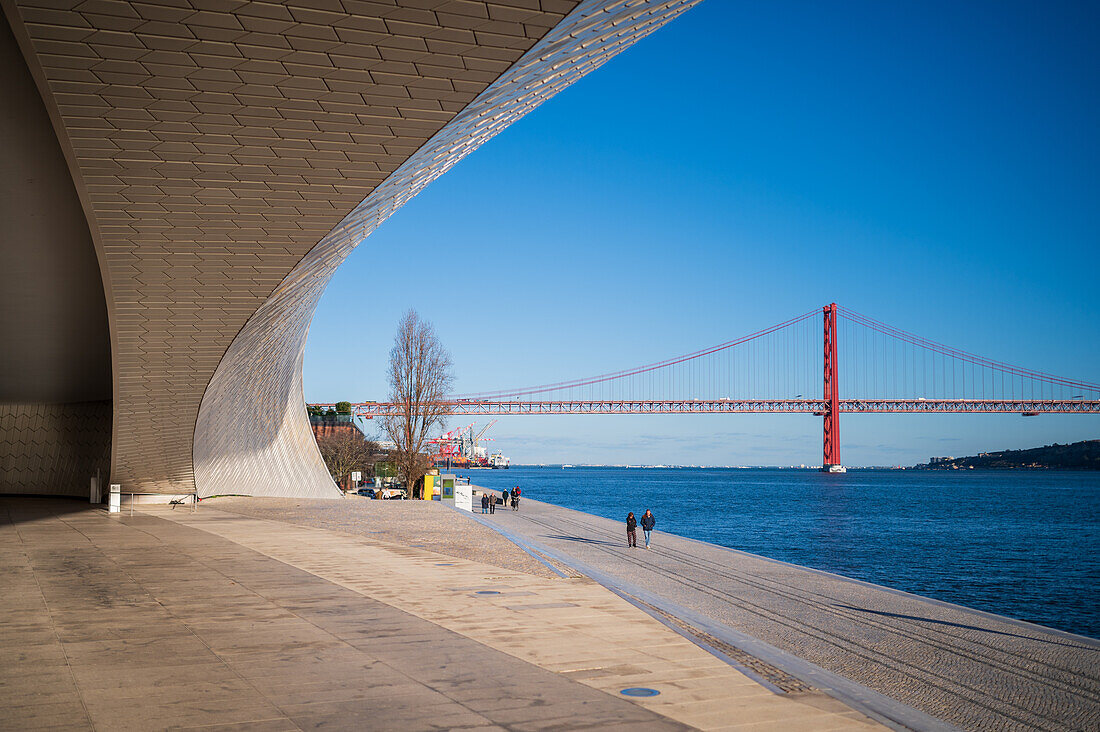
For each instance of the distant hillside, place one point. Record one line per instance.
(1077, 456)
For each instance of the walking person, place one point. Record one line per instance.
(492, 502)
(631, 530)
(485, 501)
(505, 497)
(648, 521)
(515, 498)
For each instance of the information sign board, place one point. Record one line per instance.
(464, 497)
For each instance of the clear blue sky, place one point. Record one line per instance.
(934, 165)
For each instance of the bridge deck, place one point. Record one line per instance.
(915, 405)
(971, 669)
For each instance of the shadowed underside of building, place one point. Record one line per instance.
(183, 179)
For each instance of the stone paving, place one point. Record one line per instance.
(121, 623)
(572, 627)
(418, 524)
(173, 619)
(972, 669)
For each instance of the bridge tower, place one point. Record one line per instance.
(830, 461)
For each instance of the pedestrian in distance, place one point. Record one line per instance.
(492, 501)
(648, 522)
(515, 498)
(505, 496)
(631, 530)
(485, 502)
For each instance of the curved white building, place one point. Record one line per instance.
(183, 179)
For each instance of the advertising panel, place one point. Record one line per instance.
(464, 497)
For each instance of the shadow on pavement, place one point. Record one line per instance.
(960, 625)
(583, 540)
(18, 509)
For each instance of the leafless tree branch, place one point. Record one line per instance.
(348, 451)
(420, 379)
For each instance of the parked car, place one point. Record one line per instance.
(367, 492)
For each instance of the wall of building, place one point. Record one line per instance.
(332, 427)
(229, 158)
(54, 449)
(55, 358)
(261, 374)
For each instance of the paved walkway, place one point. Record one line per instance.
(418, 524)
(971, 669)
(172, 619)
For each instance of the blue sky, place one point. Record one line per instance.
(933, 165)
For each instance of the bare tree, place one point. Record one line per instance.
(347, 451)
(420, 378)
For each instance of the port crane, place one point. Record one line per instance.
(448, 445)
(474, 440)
(461, 448)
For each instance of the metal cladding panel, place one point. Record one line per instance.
(253, 435)
(213, 144)
(53, 449)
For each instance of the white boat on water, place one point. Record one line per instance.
(563, 467)
(836, 469)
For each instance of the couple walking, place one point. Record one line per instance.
(632, 524)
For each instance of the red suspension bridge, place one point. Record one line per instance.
(774, 369)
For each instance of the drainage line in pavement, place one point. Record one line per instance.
(656, 615)
(648, 610)
(1022, 624)
(515, 540)
(879, 707)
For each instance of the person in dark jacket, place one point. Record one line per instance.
(631, 530)
(485, 501)
(648, 521)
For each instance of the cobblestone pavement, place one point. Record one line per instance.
(969, 668)
(420, 524)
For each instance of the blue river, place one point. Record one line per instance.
(1025, 544)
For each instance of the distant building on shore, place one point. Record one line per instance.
(330, 425)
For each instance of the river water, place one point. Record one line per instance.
(1020, 543)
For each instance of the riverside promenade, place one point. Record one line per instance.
(287, 614)
(897, 654)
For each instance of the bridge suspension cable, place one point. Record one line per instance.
(628, 373)
(865, 366)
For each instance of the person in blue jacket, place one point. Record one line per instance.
(648, 521)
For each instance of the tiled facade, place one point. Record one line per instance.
(53, 449)
(229, 155)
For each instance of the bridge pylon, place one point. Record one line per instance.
(788, 361)
(830, 461)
